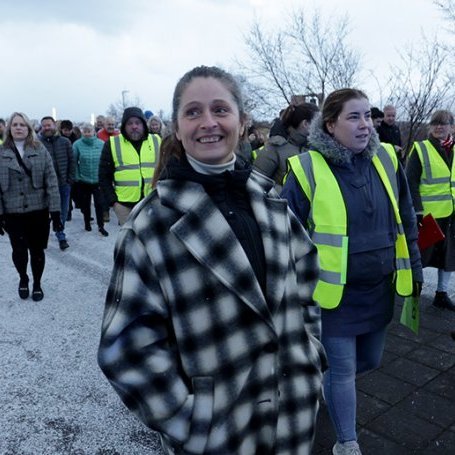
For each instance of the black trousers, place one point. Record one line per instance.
(86, 191)
(28, 234)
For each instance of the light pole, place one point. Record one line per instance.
(124, 92)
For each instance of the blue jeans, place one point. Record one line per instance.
(348, 356)
(65, 191)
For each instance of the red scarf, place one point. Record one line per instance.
(448, 144)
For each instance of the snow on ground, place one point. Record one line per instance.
(53, 397)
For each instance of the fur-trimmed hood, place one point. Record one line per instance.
(332, 150)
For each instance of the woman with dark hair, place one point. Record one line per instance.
(208, 329)
(351, 193)
(28, 192)
(431, 178)
(272, 159)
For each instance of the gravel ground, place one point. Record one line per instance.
(53, 397)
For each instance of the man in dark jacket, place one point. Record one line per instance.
(127, 164)
(61, 152)
(389, 131)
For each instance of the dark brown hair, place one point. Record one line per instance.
(293, 115)
(333, 104)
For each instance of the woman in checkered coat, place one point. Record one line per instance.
(28, 192)
(209, 328)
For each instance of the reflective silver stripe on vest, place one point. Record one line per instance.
(444, 197)
(118, 150)
(150, 165)
(330, 277)
(389, 168)
(128, 167)
(126, 183)
(400, 228)
(403, 263)
(307, 166)
(427, 166)
(155, 144)
(328, 239)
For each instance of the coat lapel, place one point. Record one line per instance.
(10, 160)
(206, 234)
(29, 155)
(272, 215)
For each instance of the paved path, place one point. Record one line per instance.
(408, 405)
(54, 399)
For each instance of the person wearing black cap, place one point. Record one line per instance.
(377, 116)
(272, 160)
(128, 163)
(66, 130)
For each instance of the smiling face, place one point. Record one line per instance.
(19, 129)
(208, 121)
(109, 125)
(154, 126)
(48, 127)
(353, 127)
(390, 114)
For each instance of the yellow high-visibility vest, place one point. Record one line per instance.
(328, 222)
(134, 171)
(437, 183)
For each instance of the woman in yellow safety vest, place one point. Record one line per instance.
(431, 178)
(351, 193)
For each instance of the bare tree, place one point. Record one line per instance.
(331, 64)
(448, 8)
(308, 56)
(420, 84)
(116, 108)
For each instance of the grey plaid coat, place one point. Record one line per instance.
(189, 340)
(21, 194)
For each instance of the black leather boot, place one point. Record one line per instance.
(442, 300)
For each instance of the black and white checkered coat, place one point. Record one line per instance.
(189, 340)
(21, 194)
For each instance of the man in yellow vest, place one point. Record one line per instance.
(128, 163)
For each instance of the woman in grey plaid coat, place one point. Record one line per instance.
(209, 328)
(28, 192)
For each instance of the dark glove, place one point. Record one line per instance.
(57, 225)
(416, 288)
(2, 226)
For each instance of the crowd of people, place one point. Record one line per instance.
(42, 175)
(255, 273)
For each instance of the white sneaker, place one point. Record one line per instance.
(346, 448)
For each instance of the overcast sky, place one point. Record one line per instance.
(79, 56)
